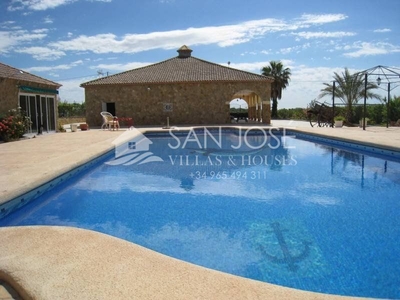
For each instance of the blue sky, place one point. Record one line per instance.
(72, 41)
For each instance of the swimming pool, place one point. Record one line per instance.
(282, 209)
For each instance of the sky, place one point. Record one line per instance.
(75, 41)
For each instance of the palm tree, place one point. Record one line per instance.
(281, 81)
(349, 89)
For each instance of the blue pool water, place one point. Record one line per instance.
(279, 209)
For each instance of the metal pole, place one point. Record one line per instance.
(388, 106)
(365, 100)
(333, 103)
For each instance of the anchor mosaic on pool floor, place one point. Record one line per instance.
(287, 250)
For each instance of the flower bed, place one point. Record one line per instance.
(14, 125)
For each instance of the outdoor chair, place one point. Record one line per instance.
(109, 121)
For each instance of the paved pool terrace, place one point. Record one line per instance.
(52, 262)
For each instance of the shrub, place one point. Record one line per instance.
(14, 125)
(340, 118)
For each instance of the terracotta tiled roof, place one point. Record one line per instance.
(183, 68)
(13, 73)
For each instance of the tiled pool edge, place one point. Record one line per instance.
(26, 197)
(370, 148)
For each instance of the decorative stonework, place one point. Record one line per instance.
(9, 91)
(193, 103)
(199, 92)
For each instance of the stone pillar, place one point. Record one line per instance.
(251, 101)
(228, 117)
(255, 109)
(246, 99)
(266, 112)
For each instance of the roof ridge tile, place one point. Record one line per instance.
(179, 69)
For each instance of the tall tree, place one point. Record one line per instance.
(350, 89)
(281, 77)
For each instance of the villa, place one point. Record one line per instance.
(36, 96)
(184, 88)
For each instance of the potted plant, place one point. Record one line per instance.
(339, 121)
(84, 126)
(364, 120)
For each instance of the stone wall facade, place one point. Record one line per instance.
(192, 103)
(9, 91)
(9, 94)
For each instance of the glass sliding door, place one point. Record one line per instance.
(41, 110)
(44, 114)
(51, 109)
(33, 113)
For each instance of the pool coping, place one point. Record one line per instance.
(57, 262)
(20, 278)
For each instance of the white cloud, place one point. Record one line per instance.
(321, 19)
(10, 39)
(368, 49)
(7, 24)
(320, 34)
(54, 68)
(120, 67)
(42, 53)
(382, 30)
(294, 49)
(37, 4)
(40, 5)
(133, 43)
(223, 36)
(286, 50)
(71, 90)
(254, 67)
(47, 20)
(42, 30)
(6, 42)
(266, 52)
(249, 53)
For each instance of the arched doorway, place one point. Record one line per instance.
(238, 109)
(252, 101)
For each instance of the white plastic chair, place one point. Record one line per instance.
(109, 121)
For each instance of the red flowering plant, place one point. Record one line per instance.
(14, 125)
(126, 121)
